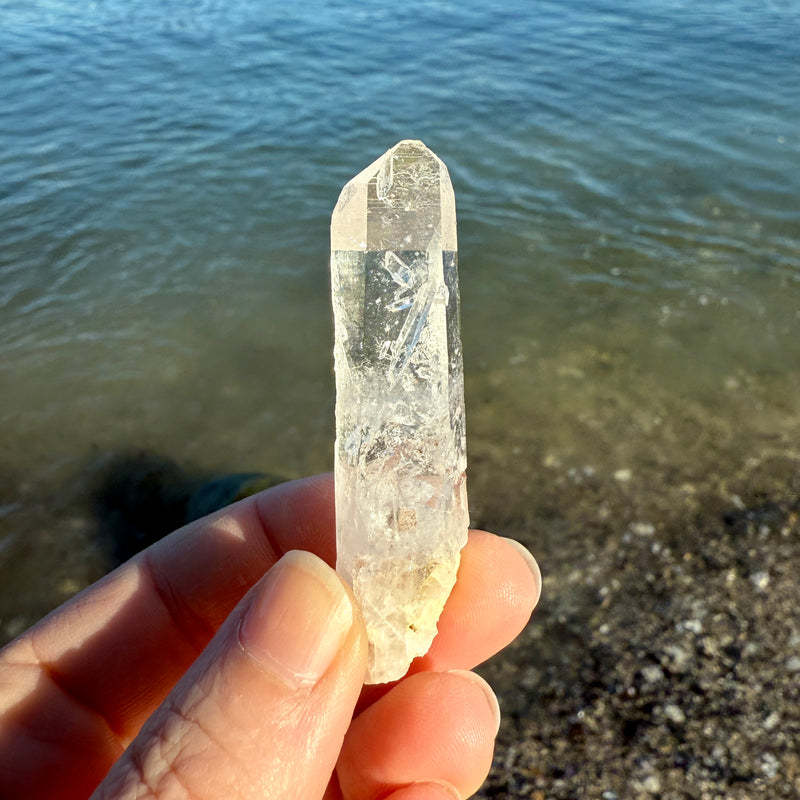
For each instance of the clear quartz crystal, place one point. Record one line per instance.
(401, 501)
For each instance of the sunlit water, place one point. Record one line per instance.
(628, 183)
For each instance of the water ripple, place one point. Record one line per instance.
(167, 173)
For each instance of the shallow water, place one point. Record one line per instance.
(627, 181)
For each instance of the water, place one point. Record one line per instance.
(627, 176)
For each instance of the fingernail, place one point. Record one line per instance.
(529, 559)
(426, 790)
(488, 693)
(298, 622)
(439, 789)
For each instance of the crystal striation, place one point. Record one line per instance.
(401, 502)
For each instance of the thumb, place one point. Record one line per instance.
(264, 709)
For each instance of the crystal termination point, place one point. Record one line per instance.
(401, 500)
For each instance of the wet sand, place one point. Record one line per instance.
(664, 658)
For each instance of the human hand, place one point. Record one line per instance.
(213, 665)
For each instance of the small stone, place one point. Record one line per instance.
(691, 625)
(678, 656)
(793, 664)
(751, 649)
(551, 461)
(652, 783)
(760, 580)
(68, 587)
(643, 528)
(652, 674)
(737, 502)
(674, 714)
(769, 765)
(772, 721)
(623, 475)
(15, 626)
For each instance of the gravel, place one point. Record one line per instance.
(664, 658)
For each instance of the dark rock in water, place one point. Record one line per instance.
(141, 498)
(227, 489)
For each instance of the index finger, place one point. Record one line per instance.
(88, 676)
(118, 647)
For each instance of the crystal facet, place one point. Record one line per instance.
(401, 502)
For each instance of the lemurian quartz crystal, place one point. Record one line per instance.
(401, 502)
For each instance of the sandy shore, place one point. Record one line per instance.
(664, 658)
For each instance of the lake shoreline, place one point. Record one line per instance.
(663, 658)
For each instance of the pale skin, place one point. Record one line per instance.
(214, 665)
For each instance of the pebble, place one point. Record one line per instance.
(623, 475)
(652, 674)
(15, 626)
(772, 721)
(751, 649)
(737, 502)
(769, 765)
(674, 714)
(760, 580)
(68, 587)
(793, 664)
(643, 528)
(678, 655)
(691, 625)
(652, 784)
(551, 461)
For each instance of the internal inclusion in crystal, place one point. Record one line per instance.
(398, 297)
(401, 506)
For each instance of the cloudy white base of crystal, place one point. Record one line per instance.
(401, 503)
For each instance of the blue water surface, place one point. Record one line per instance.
(627, 175)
